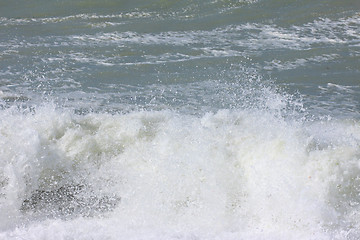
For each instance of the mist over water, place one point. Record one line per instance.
(179, 120)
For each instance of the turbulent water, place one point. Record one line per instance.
(166, 119)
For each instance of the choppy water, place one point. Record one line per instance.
(180, 119)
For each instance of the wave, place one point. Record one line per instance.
(235, 171)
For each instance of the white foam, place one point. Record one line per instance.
(227, 175)
(116, 17)
(300, 62)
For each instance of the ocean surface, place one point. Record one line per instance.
(182, 120)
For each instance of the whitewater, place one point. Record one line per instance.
(162, 175)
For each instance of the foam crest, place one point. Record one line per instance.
(230, 171)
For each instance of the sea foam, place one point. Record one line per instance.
(227, 174)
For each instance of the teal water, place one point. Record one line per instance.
(168, 119)
(112, 50)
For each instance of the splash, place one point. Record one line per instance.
(233, 171)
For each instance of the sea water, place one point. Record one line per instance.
(212, 119)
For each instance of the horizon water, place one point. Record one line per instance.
(168, 119)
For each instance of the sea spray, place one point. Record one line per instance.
(233, 170)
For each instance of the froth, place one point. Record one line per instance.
(239, 172)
